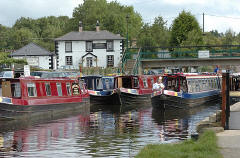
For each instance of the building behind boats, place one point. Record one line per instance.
(99, 48)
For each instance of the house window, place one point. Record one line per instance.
(89, 46)
(59, 89)
(48, 89)
(31, 87)
(69, 92)
(89, 61)
(110, 60)
(109, 45)
(68, 60)
(68, 46)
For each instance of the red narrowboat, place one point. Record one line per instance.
(30, 95)
(135, 89)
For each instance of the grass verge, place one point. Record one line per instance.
(204, 147)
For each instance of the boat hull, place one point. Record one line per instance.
(112, 99)
(158, 101)
(128, 99)
(27, 112)
(165, 101)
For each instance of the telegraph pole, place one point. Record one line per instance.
(203, 24)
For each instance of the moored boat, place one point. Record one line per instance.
(188, 89)
(37, 96)
(101, 90)
(135, 89)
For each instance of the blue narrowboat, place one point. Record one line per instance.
(189, 89)
(101, 90)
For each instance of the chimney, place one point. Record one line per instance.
(97, 26)
(80, 28)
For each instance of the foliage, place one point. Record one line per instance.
(205, 147)
(181, 27)
(154, 35)
(41, 31)
(4, 59)
(111, 15)
(98, 71)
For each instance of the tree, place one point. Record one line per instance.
(154, 35)
(181, 27)
(160, 32)
(229, 37)
(194, 38)
(21, 37)
(145, 39)
(111, 15)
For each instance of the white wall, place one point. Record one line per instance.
(79, 50)
(39, 61)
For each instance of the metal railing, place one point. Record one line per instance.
(183, 54)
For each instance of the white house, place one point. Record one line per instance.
(36, 56)
(89, 49)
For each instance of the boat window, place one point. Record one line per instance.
(16, 90)
(169, 84)
(215, 83)
(193, 86)
(152, 81)
(81, 84)
(48, 89)
(31, 87)
(126, 82)
(99, 83)
(68, 85)
(211, 83)
(59, 89)
(220, 84)
(203, 85)
(108, 83)
(189, 86)
(136, 82)
(144, 83)
(184, 86)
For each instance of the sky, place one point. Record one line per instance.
(220, 15)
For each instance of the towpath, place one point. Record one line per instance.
(229, 140)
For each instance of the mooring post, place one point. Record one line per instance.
(223, 115)
(227, 101)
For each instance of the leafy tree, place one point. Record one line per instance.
(181, 26)
(154, 35)
(145, 38)
(194, 38)
(160, 32)
(111, 15)
(3, 37)
(4, 59)
(229, 37)
(211, 39)
(21, 37)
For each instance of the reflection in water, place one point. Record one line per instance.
(103, 133)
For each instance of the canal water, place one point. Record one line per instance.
(102, 132)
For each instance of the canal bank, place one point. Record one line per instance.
(227, 140)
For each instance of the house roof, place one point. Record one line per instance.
(31, 49)
(89, 35)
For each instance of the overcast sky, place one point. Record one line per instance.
(219, 14)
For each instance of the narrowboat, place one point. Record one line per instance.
(101, 90)
(190, 89)
(31, 95)
(135, 89)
